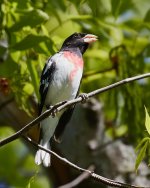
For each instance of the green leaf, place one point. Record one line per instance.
(29, 185)
(34, 77)
(147, 121)
(94, 5)
(119, 7)
(29, 42)
(141, 143)
(28, 88)
(32, 180)
(30, 18)
(141, 155)
(2, 50)
(8, 68)
(115, 6)
(80, 17)
(147, 16)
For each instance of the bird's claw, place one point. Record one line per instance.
(84, 97)
(54, 111)
(53, 108)
(48, 107)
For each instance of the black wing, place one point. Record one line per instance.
(46, 78)
(64, 119)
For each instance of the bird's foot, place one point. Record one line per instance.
(55, 108)
(84, 97)
(54, 111)
(48, 107)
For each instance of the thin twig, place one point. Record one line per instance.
(92, 73)
(93, 175)
(79, 179)
(63, 105)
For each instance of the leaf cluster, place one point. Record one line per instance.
(144, 145)
(31, 31)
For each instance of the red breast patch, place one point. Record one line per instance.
(76, 60)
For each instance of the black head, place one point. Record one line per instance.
(78, 41)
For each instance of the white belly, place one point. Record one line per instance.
(62, 87)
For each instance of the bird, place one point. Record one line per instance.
(60, 81)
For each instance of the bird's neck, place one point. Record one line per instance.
(72, 50)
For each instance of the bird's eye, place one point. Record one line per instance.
(68, 43)
(76, 35)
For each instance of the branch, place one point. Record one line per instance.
(90, 173)
(62, 105)
(91, 73)
(79, 179)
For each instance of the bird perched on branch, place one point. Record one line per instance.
(60, 81)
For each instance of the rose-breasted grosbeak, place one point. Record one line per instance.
(60, 81)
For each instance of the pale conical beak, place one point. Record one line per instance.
(89, 38)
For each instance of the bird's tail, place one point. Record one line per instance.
(42, 156)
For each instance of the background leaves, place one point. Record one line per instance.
(144, 144)
(31, 31)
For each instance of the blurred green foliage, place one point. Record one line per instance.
(144, 145)
(17, 166)
(32, 30)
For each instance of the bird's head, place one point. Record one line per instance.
(79, 40)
